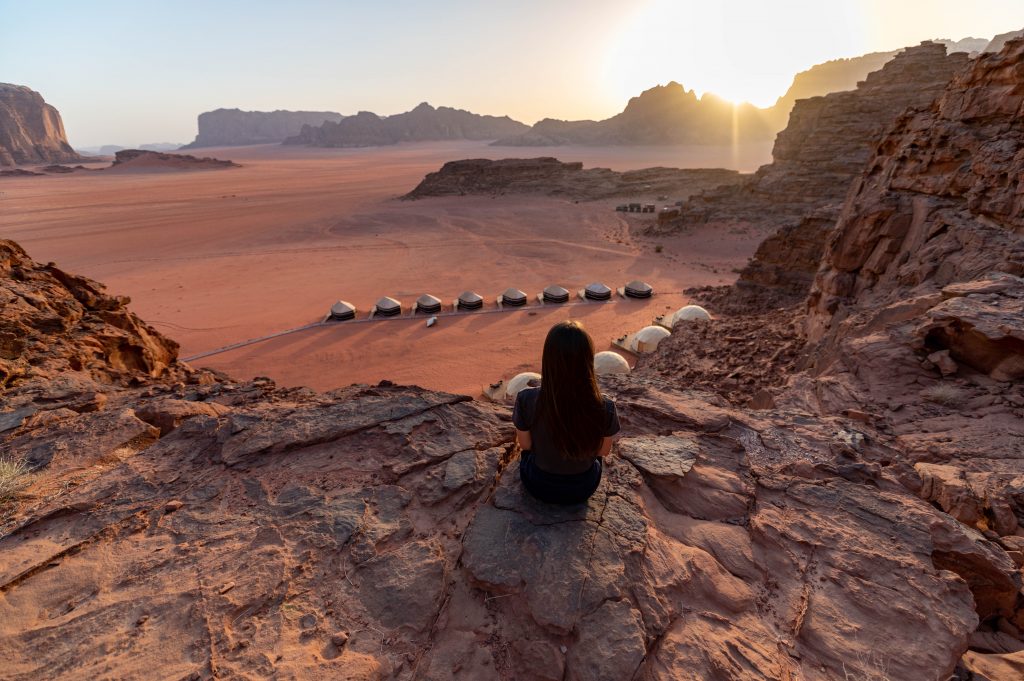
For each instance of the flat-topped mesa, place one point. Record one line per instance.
(234, 127)
(826, 144)
(31, 130)
(551, 177)
(422, 124)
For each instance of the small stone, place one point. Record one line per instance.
(173, 505)
(945, 363)
(339, 639)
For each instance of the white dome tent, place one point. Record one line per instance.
(690, 313)
(597, 291)
(512, 297)
(608, 362)
(387, 307)
(647, 339)
(342, 311)
(527, 379)
(469, 300)
(554, 294)
(427, 304)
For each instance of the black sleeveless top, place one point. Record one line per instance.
(547, 457)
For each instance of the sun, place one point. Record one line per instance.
(740, 50)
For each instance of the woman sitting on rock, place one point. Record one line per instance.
(565, 426)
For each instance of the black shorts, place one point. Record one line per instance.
(554, 488)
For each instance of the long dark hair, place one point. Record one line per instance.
(570, 405)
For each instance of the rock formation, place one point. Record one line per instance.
(668, 114)
(825, 145)
(30, 129)
(137, 159)
(234, 127)
(999, 42)
(422, 124)
(552, 177)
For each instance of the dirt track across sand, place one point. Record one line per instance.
(217, 257)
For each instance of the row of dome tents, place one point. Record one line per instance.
(511, 297)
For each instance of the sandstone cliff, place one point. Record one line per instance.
(422, 124)
(552, 177)
(825, 145)
(30, 129)
(234, 127)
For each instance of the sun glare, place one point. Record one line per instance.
(739, 50)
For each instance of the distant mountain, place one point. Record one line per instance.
(1000, 40)
(111, 149)
(234, 127)
(670, 114)
(664, 114)
(424, 123)
(31, 130)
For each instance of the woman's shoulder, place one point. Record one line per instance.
(528, 395)
(607, 400)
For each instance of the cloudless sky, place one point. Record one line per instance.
(136, 71)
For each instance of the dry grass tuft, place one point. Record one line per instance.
(13, 478)
(944, 394)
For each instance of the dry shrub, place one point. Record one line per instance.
(945, 394)
(13, 478)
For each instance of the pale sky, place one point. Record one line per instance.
(131, 72)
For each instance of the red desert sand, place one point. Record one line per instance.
(217, 257)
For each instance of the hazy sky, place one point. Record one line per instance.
(136, 71)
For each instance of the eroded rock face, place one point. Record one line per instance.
(234, 127)
(825, 145)
(552, 177)
(30, 129)
(940, 204)
(52, 322)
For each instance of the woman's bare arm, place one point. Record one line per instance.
(524, 439)
(606, 447)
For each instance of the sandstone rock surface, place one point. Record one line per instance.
(31, 130)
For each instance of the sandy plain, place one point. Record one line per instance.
(215, 257)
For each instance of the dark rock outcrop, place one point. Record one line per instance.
(31, 130)
(155, 160)
(422, 124)
(552, 177)
(234, 127)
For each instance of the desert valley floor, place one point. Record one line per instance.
(217, 257)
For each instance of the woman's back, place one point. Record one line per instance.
(546, 452)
